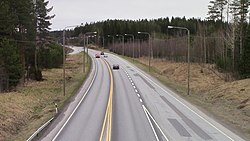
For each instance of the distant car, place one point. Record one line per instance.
(97, 55)
(102, 53)
(105, 56)
(116, 67)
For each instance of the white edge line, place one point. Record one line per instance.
(182, 103)
(152, 127)
(76, 106)
(190, 109)
(136, 90)
(141, 100)
(138, 95)
(156, 123)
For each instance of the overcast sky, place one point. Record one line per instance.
(75, 12)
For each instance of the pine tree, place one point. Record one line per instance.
(41, 24)
(239, 9)
(43, 19)
(244, 66)
(6, 22)
(10, 59)
(216, 9)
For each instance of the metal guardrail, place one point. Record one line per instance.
(39, 130)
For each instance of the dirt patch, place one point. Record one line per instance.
(228, 101)
(26, 109)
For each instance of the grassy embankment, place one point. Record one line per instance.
(228, 102)
(28, 107)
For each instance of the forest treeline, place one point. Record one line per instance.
(223, 38)
(25, 45)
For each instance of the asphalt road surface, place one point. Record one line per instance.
(139, 108)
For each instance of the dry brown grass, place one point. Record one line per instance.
(229, 102)
(28, 107)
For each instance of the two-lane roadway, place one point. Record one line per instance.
(139, 108)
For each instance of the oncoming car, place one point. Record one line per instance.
(116, 67)
(97, 55)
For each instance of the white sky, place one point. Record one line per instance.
(75, 12)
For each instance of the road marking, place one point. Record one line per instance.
(148, 114)
(179, 101)
(77, 104)
(152, 127)
(141, 100)
(190, 109)
(155, 122)
(108, 114)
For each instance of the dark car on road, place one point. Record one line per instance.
(116, 67)
(102, 53)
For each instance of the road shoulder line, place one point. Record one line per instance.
(79, 103)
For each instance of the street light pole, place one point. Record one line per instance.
(64, 80)
(113, 41)
(133, 37)
(188, 42)
(87, 47)
(103, 42)
(84, 53)
(149, 49)
(88, 33)
(122, 43)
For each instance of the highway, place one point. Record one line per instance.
(129, 105)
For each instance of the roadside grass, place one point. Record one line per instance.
(157, 74)
(227, 102)
(24, 110)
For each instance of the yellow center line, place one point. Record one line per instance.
(108, 114)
